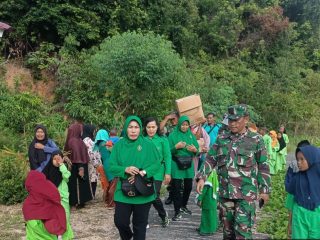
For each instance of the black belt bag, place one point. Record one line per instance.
(129, 189)
(141, 186)
(183, 162)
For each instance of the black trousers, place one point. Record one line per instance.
(94, 188)
(139, 212)
(157, 203)
(181, 199)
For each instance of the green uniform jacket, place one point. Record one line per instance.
(176, 136)
(142, 154)
(267, 142)
(273, 159)
(286, 139)
(243, 170)
(162, 145)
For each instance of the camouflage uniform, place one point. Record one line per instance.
(243, 172)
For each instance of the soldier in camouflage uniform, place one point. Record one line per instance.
(243, 172)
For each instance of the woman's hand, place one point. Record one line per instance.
(39, 146)
(142, 173)
(192, 148)
(204, 149)
(132, 170)
(167, 179)
(81, 172)
(60, 160)
(200, 186)
(180, 145)
(131, 179)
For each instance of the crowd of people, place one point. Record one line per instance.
(230, 163)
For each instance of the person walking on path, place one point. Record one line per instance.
(212, 128)
(304, 186)
(151, 132)
(79, 182)
(184, 147)
(273, 156)
(94, 156)
(243, 172)
(131, 157)
(101, 140)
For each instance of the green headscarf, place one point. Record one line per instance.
(126, 125)
(141, 153)
(177, 135)
(102, 135)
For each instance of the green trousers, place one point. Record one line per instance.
(305, 223)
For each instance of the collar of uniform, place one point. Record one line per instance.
(238, 135)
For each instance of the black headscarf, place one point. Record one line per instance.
(52, 172)
(282, 143)
(88, 131)
(37, 156)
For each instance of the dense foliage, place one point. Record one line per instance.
(261, 52)
(114, 58)
(12, 176)
(130, 73)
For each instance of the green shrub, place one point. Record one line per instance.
(274, 217)
(13, 171)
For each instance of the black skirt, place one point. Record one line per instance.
(79, 187)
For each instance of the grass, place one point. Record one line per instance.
(294, 140)
(274, 216)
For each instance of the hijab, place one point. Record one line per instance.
(140, 152)
(75, 145)
(177, 135)
(88, 131)
(43, 203)
(52, 172)
(37, 156)
(282, 143)
(274, 138)
(304, 185)
(102, 135)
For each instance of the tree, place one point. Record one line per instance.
(131, 73)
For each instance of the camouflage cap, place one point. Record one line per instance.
(237, 111)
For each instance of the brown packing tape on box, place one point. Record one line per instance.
(191, 106)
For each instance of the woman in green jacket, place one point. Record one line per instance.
(183, 146)
(131, 156)
(152, 132)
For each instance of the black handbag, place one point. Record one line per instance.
(183, 162)
(129, 189)
(144, 186)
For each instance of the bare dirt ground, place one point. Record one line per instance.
(94, 222)
(19, 78)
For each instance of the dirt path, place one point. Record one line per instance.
(95, 222)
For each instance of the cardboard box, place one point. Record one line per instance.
(191, 106)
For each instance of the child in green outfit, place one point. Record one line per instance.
(57, 172)
(208, 203)
(304, 200)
